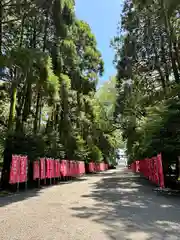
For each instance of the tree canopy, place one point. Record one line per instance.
(148, 76)
(49, 69)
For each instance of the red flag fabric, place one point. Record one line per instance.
(14, 170)
(63, 168)
(42, 168)
(52, 165)
(36, 168)
(48, 168)
(91, 167)
(82, 167)
(156, 170)
(57, 171)
(23, 169)
(160, 171)
(151, 169)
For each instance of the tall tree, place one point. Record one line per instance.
(147, 61)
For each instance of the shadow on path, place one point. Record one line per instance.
(128, 209)
(30, 193)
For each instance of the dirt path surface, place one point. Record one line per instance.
(109, 206)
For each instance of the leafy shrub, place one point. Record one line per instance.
(95, 154)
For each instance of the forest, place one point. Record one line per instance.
(49, 70)
(50, 101)
(147, 59)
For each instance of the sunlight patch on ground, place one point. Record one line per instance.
(127, 203)
(138, 235)
(168, 226)
(165, 206)
(127, 190)
(135, 185)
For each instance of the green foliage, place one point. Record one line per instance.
(95, 154)
(148, 76)
(159, 131)
(82, 150)
(109, 137)
(48, 101)
(34, 146)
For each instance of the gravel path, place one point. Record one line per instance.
(109, 206)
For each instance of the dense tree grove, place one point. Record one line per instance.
(148, 78)
(49, 70)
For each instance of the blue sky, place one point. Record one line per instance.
(102, 16)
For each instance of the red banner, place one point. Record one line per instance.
(63, 168)
(42, 168)
(91, 167)
(52, 164)
(23, 169)
(160, 171)
(70, 168)
(66, 168)
(14, 170)
(81, 167)
(150, 168)
(36, 168)
(48, 169)
(59, 167)
(97, 167)
(56, 167)
(76, 169)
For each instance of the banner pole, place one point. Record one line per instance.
(27, 163)
(18, 174)
(39, 180)
(45, 168)
(54, 172)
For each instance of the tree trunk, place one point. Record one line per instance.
(27, 104)
(1, 32)
(12, 106)
(45, 31)
(166, 70)
(40, 114)
(34, 34)
(78, 112)
(7, 147)
(169, 36)
(22, 31)
(176, 52)
(178, 170)
(157, 63)
(36, 120)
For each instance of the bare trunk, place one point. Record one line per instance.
(158, 67)
(22, 31)
(12, 106)
(178, 170)
(169, 35)
(176, 53)
(36, 120)
(45, 31)
(166, 70)
(1, 31)
(34, 34)
(27, 104)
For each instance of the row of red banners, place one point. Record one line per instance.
(151, 168)
(97, 167)
(18, 171)
(47, 168)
